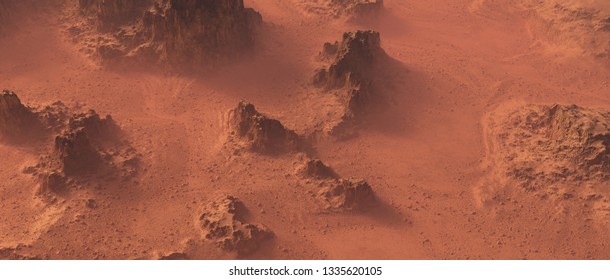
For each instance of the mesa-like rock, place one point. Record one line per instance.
(177, 34)
(223, 221)
(260, 133)
(352, 60)
(351, 72)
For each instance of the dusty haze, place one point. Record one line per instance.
(442, 129)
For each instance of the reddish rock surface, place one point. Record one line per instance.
(17, 122)
(353, 70)
(222, 221)
(344, 194)
(176, 34)
(261, 133)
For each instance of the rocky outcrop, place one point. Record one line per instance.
(359, 8)
(346, 194)
(349, 9)
(335, 193)
(17, 122)
(98, 129)
(569, 25)
(200, 32)
(83, 142)
(110, 15)
(75, 153)
(52, 182)
(222, 221)
(180, 34)
(352, 60)
(352, 71)
(260, 133)
(315, 168)
(539, 145)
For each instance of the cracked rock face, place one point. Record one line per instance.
(17, 122)
(222, 221)
(261, 133)
(179, 34)
(344, 194)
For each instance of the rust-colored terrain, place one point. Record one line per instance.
(292, 129)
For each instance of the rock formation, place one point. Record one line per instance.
(17, 122)
(575, 24)
(350, 9)
(353, 59)
(76, 154)
(52, 182)
(54, 117)
(110, 15)
(352, 71)
(83, 142)
(223, 222)
(261, 133)
(180, 34)
(96, 128)
(315, 168)
(540, 145)
(346, 194)
(358, 8)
